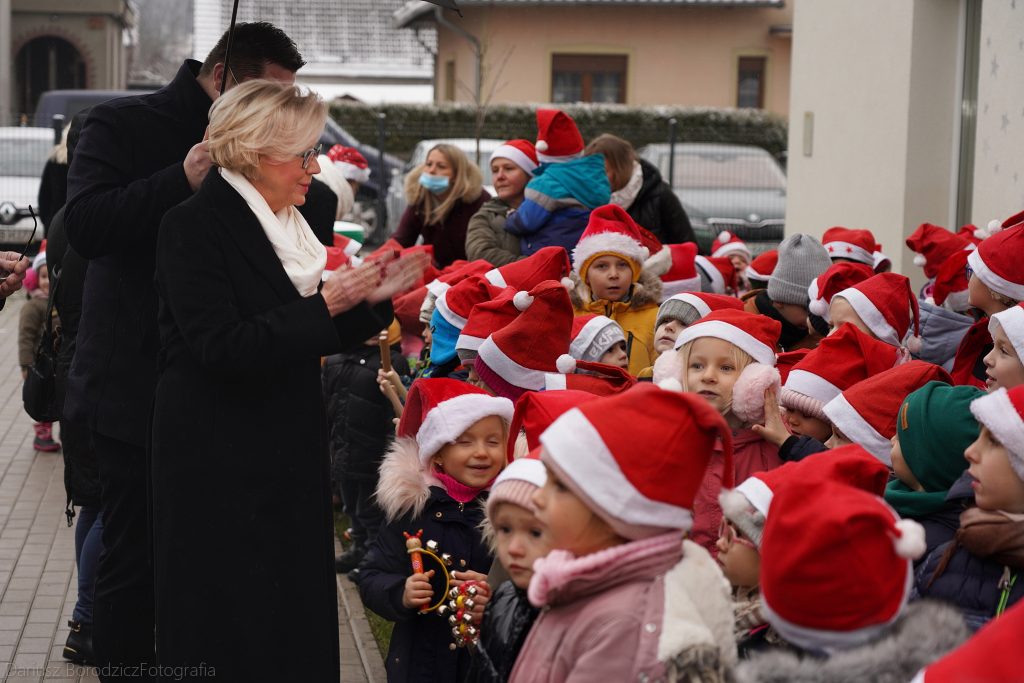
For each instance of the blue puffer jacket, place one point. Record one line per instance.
(972, 584)
(558, 203)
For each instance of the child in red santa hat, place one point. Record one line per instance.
(450, 446)
(728, 358)
(610, 279)
(1003, 365)
(978, 570)
(836, 577)
(624, 596)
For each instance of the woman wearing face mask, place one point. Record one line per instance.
(512, 166)
(443, 192)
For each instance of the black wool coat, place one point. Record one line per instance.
(658, 209)
(242, 519)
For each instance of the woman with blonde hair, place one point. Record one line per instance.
(637, 186)
(241, 499)
(443, 193)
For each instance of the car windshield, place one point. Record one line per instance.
(24, 156)
(724, 170)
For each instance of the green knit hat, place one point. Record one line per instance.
(935, 426)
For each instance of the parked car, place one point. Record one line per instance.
(396, 190)
(739, 188)
(67, 103)
(23, 153)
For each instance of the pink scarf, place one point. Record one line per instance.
(456, 489)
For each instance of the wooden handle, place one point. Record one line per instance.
(385, 351)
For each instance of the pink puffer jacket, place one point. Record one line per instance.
(656, 609)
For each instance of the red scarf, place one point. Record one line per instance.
(456, 489)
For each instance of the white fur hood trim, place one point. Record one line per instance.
(404, 485)
(698, 607)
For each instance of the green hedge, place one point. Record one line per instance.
(407, 124)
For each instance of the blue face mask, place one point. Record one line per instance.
(434, 183)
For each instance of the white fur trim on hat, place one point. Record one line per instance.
(599, 476)
(495, 277)
(996, 412)
(1012, 322)
(352, 248)
(833, 641)
(814, 386)
(870, 314)
(448, 419)
(589, 333)
(674, 287)
(437, 287)
(554, 381)
(911, 543)
(717, 281)
(993, 281)
(529, 470)
(468, 343)
(608, 242)
(447, 313)
(509, 370)
(817, 305)
(757, 494)
(660, 262)
(687, 298)
(731, 248)
(353, 172)
(856, 253)
(516, 156)
(548, 159)
(843, 415)
(718, 329)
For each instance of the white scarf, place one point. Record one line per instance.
(627, 195)
(301, 254)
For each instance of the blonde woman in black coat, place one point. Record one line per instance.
(242, 520)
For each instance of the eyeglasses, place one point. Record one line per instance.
(728, 534)
(24, 251)
(308, 155)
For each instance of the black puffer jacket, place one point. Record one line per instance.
(506, 624)
(358, 414)
(657, 208)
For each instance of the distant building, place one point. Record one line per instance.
(51, 44)
(723, 53)
(352, 47)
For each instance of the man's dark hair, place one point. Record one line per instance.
(254, 46)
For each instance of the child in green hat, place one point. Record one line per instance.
(933, 429)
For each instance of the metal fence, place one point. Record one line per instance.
(725, 182)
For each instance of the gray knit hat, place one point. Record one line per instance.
(801, 260)
(677, 309)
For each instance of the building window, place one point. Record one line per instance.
(588, 78)
(449, 80)
(750, 82)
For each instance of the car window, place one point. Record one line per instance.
(727, 170)
(23, 156)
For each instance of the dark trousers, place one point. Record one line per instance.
(361, 507)
(123, 612)
(88, 547)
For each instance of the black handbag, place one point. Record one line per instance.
(39, 393)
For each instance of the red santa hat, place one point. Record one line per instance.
(995, 262)
(932, 245)
(1012, 323)
(951, 282)
(350, 162)
(763, 265)
(515, 358)
(456, 273)
(594, 378)
(748, 504)
(348, 246)
(438, 410)
(486, 318)
(727, 244)
(676, 267)
(883, 263)
(456, 302)
(719, 270)
(517, 483)
(757, 335)
(787, 360)
(610, 231)
(593, 335)
(887, 305)
(840, 360)
(836, 564)
(1002, 412)
(970, 233)
(535, 411)
(992, 655)
(520, 152)
(548, 263)
(637, 459)
(838, 277)
(857, 245)
(558, 138)
(866, 412)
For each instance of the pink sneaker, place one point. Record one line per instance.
(44, 442)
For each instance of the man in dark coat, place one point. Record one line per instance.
(137, 158)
